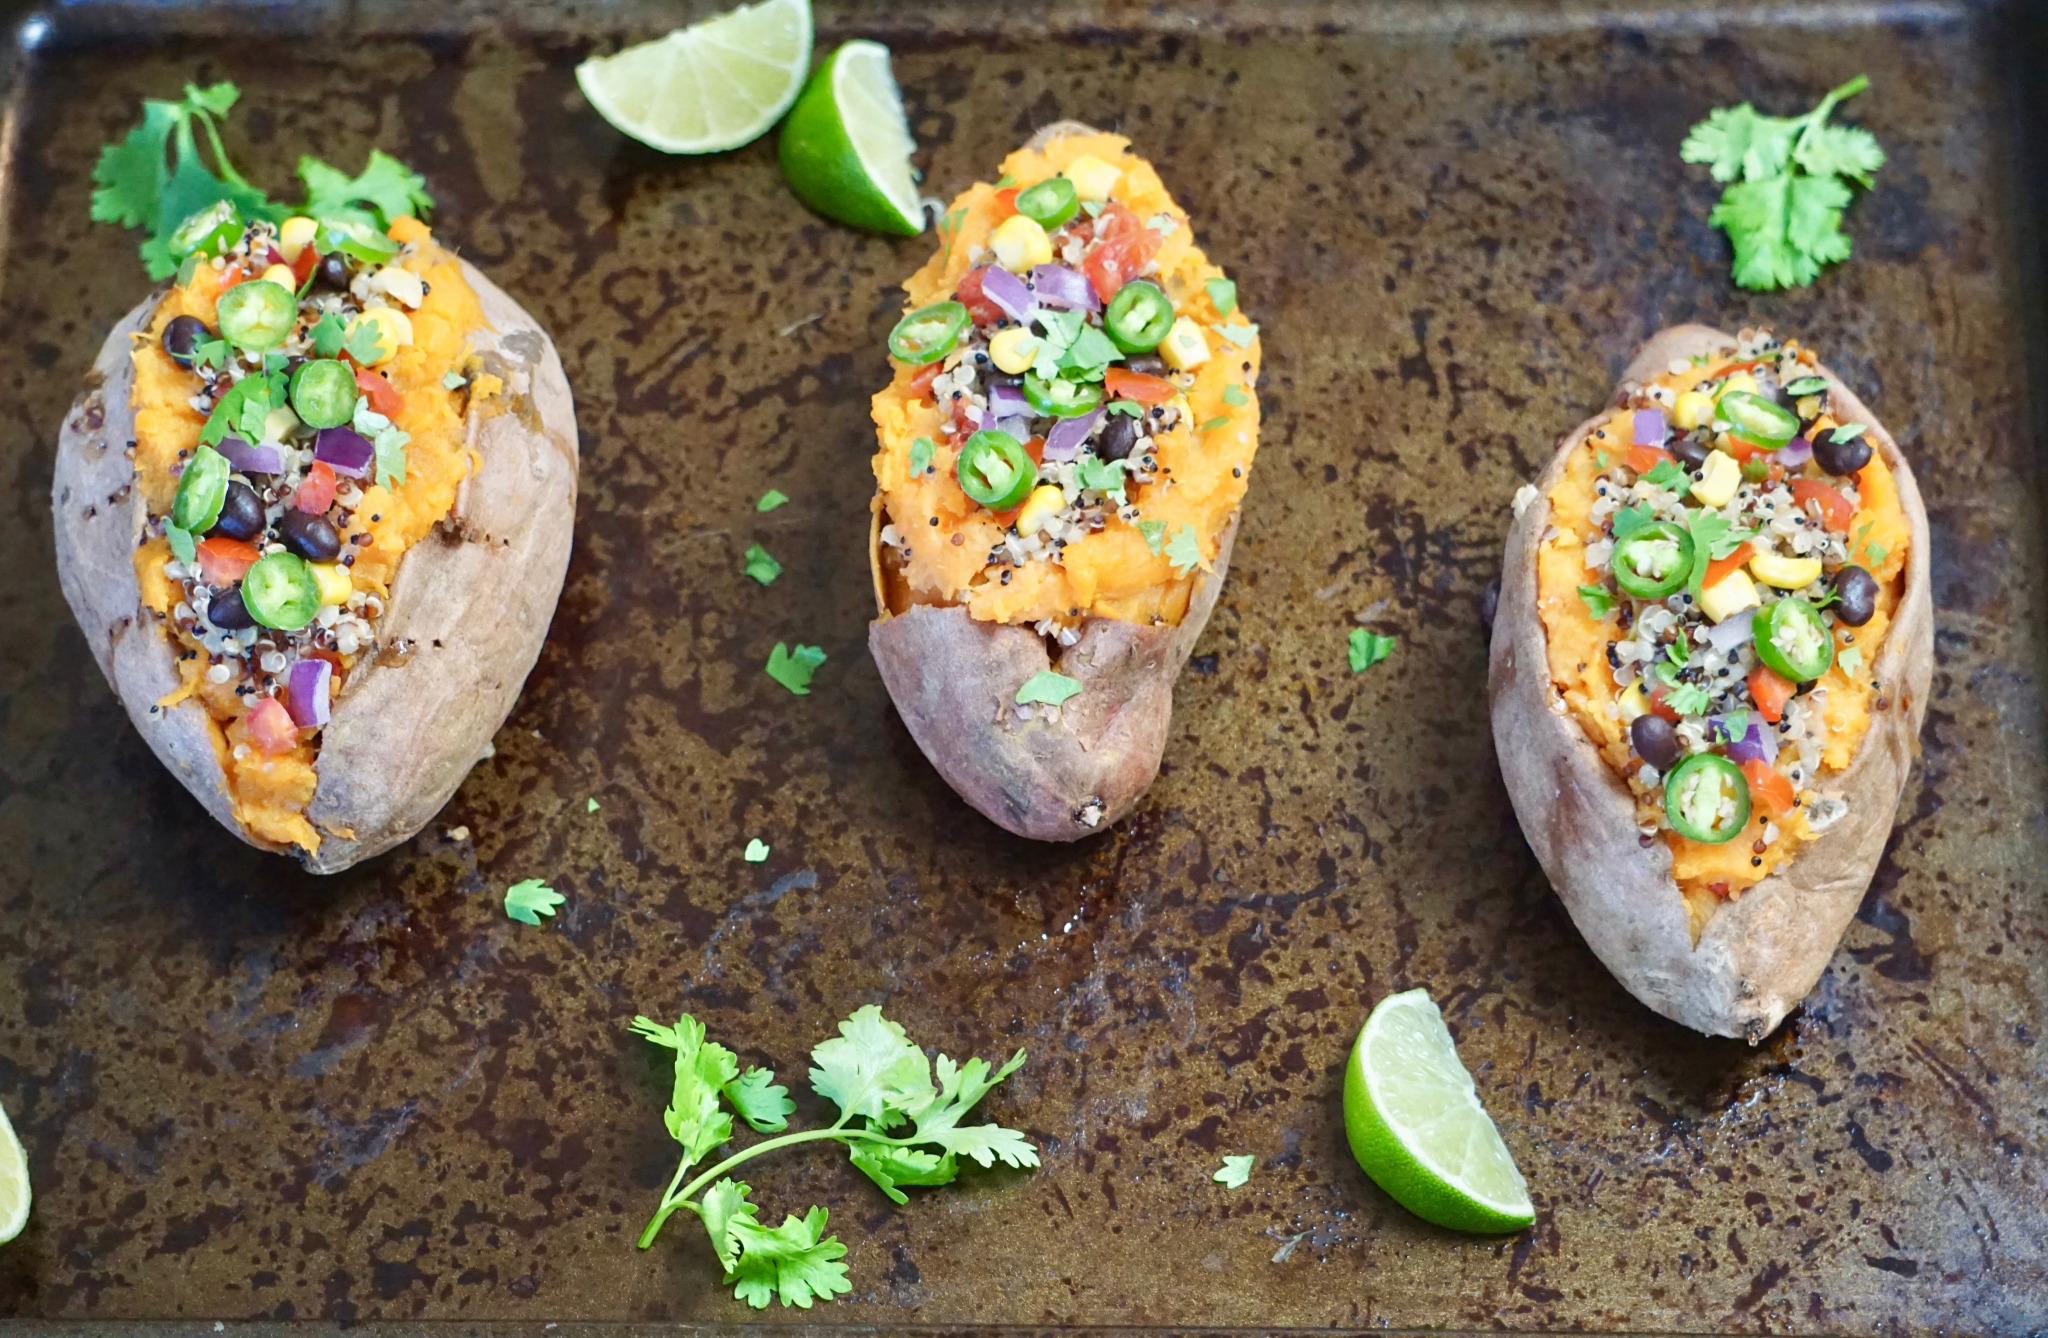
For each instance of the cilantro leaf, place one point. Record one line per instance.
(388, 187)
(242, 409)
(1368, 648)
(1666, 474)
(1184, 551)
(871, 1069)
(1739, 142)
(1783, 229)
(775, 497)
(921, 455)
(389, 440)
(1679, 652)
(1155, 533)
(1090, 354)
(1221, 420)
(1103, 476)
(694, 1117)
(590, 805)
(756, 851)
(1236, 1170)
(1129, 408)
(1687, 699)
(182, 546)
(723, 1204)
(793, 668)
(529, 899)
(329, 336)
(155, 179)
(1240, 333)
(1233, 394)
(1842, 151)
(1630, 519)
(1851, 659)
(365, 342)
(1047, 687)
(763, 1104)
(796, 1261)
(1598, 602)
(211, 353)
(1847, 432)
(889, 1167)
(1222, 294)
(761, 566)
(1806, 385)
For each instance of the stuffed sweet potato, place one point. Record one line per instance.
(313, 516)
(1710, 663)
(1063, 451)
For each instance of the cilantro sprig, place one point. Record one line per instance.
(1788, 183)
(899, 1120)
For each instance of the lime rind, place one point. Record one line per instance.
(710, 87)
(14, 1188)
(846, 147)
(1417, 1127)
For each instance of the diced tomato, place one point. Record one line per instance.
(1123, 246)
(921, 380)
(1719, 568)
(273, 256)
(1006, 202)
(333, 658)
(1770, 692)
(223, 561)
(1658, 706)
(316, 494)
(1035, 448)
(958, 425)
(302, 268)
(270, 727)
(231, 276)
(1771, 791)
(970, 295)
(1128, 385)
(1741, 450)
(1835, 511)
(1643, 459)
(1721, 890)
(383, 396)
(1777, 474)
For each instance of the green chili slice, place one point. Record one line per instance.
(211, 231)
(279, 591)
(1138, 317)
(929, 333)
(1694, 793)
(324, 393)
(1754, 418)
(257, 315)
(1794, 640)
(202, 488)
(1654, 561)
(1050, 203)
(995, 470)
(1060, 397)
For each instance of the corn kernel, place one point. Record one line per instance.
(294, 235)
(1694, 409)
(388, 327)
(1185, 346)
(1020, 243)
(1728, 596)
(1042, 505)
(1719, 477)
(400, 285)
(1634, 703)
(1013, 350)
(1739, 381)
(282, 276)
(1785, 573)
(333, 582)
(279, 422)
(1093, 179)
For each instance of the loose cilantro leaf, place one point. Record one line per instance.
(386, 189)
(921, 456)
(590, 805)
(1847, 432)
(1221, 420)
(529, 899)
(761, 566)
(756, 851)
(182, 546)
(1598, 601)
(1667, 474)
(1630, 519)
(1184, 551)
(793, 668)
(241, 411)
(1239, 333)
(1806, 385)
(329, 335)
(775, 497)
(1007, 179)
(1223, 294)
(1233, 394)
(453, 380)
(1713, 538)
(1368, 648)
(1047, 687)
(1155, 533)
(1734, 725)
(390, 442)
(1876, 553)
(1851, 659)
(365, 342)
(1129, 408)
(1687, 699)
(1090, 354)
(1104, 476)
(1787, 185)
(1236, 1170)
(211, 353)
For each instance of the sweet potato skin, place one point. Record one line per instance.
(1760, 953)
(473, 599)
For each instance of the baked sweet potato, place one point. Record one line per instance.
(1725, 949)
(456, 616)
(1092, 595)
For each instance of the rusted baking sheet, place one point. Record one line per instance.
(247, 1094)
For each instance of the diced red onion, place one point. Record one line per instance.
(1751, 747)
(1649, 429)
(345, 450)
(1058, 286)
(1007, 401)
(1726, 636)
(1069, 435)
(1018, 427)
(252, 459)
(1007, 291)
(306, 694)
(1794, 453)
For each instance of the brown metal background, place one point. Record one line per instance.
(247, 1093)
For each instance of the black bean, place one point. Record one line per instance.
(1688, 451)
(1840, 457)
(333, 272)
(1118, 436)
(1857, 592)
(182, 336)
(227, 611)
(308, 535)
(241, 512)
(1655, 740)
(1150, 366)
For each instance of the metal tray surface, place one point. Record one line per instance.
(373, 1099)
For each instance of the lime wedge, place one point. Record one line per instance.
(711, 86)
(847, 147)
(1417, 1127)
(13, 1183)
